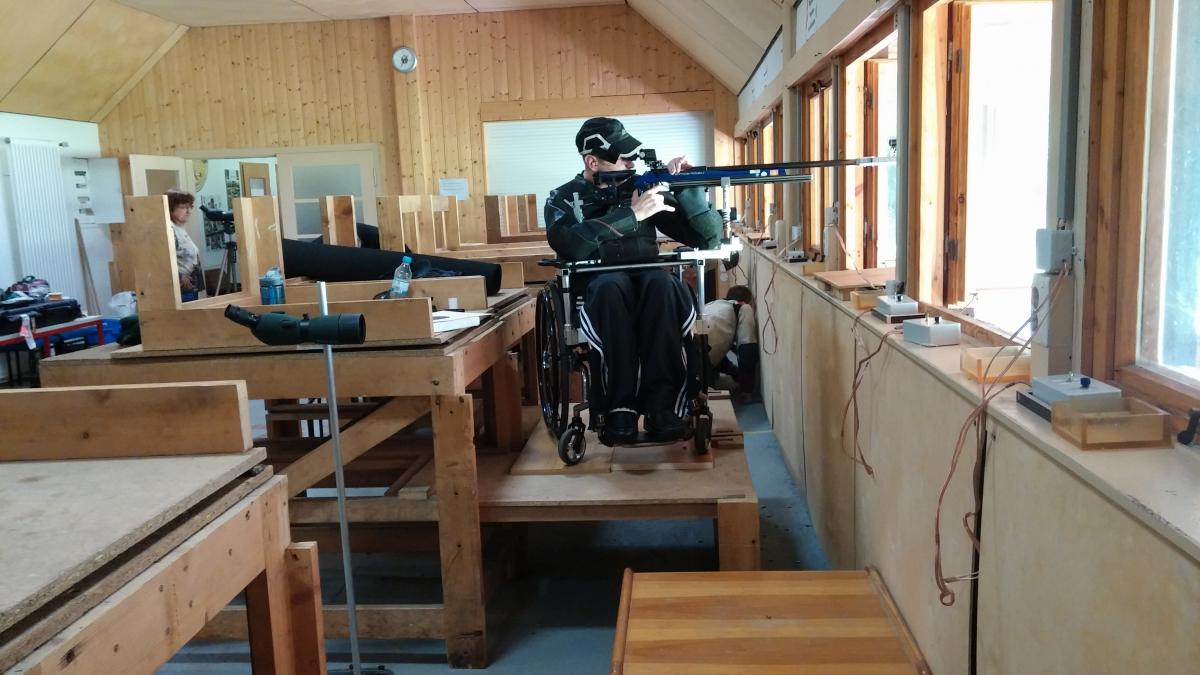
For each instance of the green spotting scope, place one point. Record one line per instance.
(277, 328)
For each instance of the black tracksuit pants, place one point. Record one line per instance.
(640, 322)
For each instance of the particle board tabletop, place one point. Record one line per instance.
(60, 521)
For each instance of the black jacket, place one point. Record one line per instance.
(579, 218)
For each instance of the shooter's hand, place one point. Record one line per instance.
(650, 202)
(678, 164)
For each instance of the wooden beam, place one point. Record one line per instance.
(458, 528)
(610, 106)
(391, 622)
(738, 534)
(304, 580)
(269, 603)
(372, 429)
(154, 419)
(260, 215)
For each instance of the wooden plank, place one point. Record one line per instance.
(390, 418)
(207, 327)
(458, 519)
(737, 534)
(269, 601)
(391, 223)
(618, 653)
(512, 275)
(304, 580)
(149, 619)
(802, 622)
(65, 608)
(260, 215)
(155, 419)
(452, 222)
(391, 622)
(148, 241)
(502, 402)
(338, 221)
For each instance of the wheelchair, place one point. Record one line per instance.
(563, 350)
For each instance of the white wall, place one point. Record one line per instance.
(82, 139)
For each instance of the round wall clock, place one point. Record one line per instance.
(404, 60)
(200, 172)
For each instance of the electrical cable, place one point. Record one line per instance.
(762, 341)
(978, 416)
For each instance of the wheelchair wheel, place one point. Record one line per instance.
(554, 360)
(571, 445)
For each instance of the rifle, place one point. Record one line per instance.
(613, 185)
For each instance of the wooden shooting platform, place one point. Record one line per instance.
(111, 564)
(743, 623)
(412, 383)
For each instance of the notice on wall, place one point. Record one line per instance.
(454, 187)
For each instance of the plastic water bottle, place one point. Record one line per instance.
(271, 287)
(402, 279)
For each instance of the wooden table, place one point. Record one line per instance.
(420, 381)
(730, 623)
(96, 577)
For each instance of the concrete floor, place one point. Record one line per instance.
(558, 617)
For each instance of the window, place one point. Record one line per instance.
(999, 101)
(869, 215)
(1170, 323)
(817, 129)
(308, 176)
(765, 145)
(508, 145)
(1143, 232)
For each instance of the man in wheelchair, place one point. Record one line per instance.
(638, 321)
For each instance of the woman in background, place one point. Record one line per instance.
(187, 256)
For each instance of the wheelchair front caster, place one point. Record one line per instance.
(571, 445)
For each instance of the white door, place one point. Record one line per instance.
(306, 177)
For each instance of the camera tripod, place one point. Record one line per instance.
(229, 269)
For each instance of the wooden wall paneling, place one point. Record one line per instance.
(830, 473)
(1143, 624)
(909, 424)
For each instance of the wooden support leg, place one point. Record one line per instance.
(502, 402)
(268, 598)
(458, 531)
(737, 534)
(529, 368)
(308, 623)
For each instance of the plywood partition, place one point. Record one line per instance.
(260, 215)
(338, 221)
(331, 83)
(148, 244)
(511, 219)
(398, 216)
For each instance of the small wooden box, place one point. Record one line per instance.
(864, 298)
(973, 361)
(1111, 423)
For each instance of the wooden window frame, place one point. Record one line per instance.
(1116, 181)
(860, 184)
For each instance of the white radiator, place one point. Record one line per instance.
(46, 243)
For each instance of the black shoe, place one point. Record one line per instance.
(665, 426)
(621, 428)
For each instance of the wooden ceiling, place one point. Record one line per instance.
(235, 12)
(76, 59)
(727, 37)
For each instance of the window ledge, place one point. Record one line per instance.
(1159, 487)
